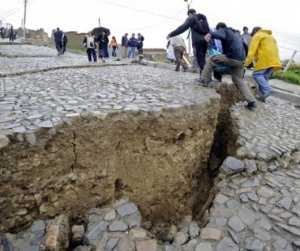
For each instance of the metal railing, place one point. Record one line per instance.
(292, 57)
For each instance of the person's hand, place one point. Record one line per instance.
(207, 37)
(168, 37)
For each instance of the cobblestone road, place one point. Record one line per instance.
(258, 209)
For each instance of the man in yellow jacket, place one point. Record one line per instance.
(264, 54)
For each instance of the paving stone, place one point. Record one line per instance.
(247, 216)
(253, 182)
(194, 230)
(190, 246)
(233, 204)
(236, 224)
(250, 166)
(232, 165)
(146, 245)
(181, 238)
(211, 234)
(227, 245)
(111, 244)
(127, 209)
(137, 233)
(285, 203)
(38, 226)
(204, 246)
(233, 236)
(262, 234)
(125, 244)
(221, 199)
(111, 215)
(95, 231)
(294, 221)
(4, 141)
(265, 192)
(253, 244)
(293, 230)
(118, 226)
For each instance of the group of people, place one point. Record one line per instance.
(130, 47)
(60, 40)
(8, 33)
(224, 50)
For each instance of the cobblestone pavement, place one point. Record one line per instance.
(257, 206)
(46, 99)
(270, 132)
(29, 51)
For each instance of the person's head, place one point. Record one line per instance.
(191, 12)
(57, 29)
(245, 29)
(255, 30)
(133, 35)
(221, 26)
(103, 33)
(126, 34)
(113, 38)
(139, 35)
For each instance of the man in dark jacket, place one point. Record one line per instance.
(125, 46)
(103, 46)
(233, 57)
(58, 39)
(199, 28)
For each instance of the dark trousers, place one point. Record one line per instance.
(103, 52)
(200, 49)
(58, 47)
(11, 37)
(92, 56)
(114, 53)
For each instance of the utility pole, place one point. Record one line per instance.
(99, 22)
(24, 18)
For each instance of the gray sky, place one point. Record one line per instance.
(156, 18)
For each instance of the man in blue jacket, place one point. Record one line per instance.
(132, 46)
(233, 57)
(199, 28)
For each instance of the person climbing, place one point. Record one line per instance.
(114, 45)
(199, 28)
(179, 48)
(90, 45)
(233, 57)
(264, 54)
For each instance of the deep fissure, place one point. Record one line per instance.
(203, 191)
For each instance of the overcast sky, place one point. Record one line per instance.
(156, 18)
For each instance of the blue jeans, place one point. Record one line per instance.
(262, 79)
(131, 52)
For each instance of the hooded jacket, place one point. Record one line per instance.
(198, 25)
(263, 51)
(232, 43)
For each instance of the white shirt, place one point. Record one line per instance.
(177, 41)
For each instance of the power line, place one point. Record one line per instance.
(140, 10)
